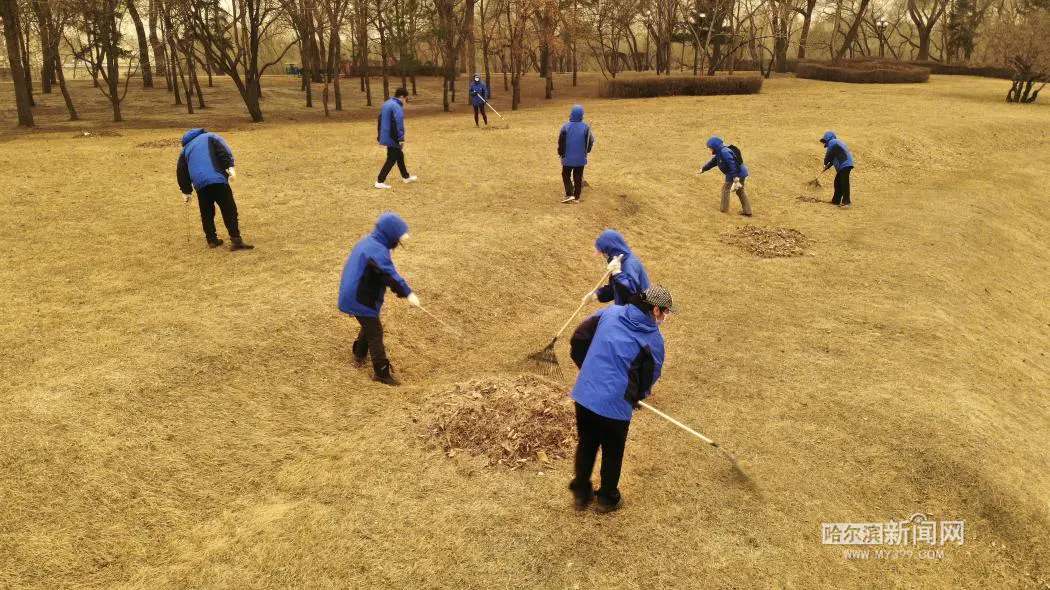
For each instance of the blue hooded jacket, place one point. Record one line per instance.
(620, 352)
(575, 140)
(370, 270)
(725, 159)
(632, 280)
(478, 90)
(837, 154)
(391, 127)
(204, 159)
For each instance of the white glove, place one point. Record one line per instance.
(736, 184)
(186, 197)
(592, 296)
(231, 173)
(413, 300)
(614, 267)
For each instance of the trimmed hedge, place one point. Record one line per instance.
(747, 65)
(983, 71)
(864, 72)
(660, 86)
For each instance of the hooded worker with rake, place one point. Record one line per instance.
(620, 353)
(627, 276)
(368, 273)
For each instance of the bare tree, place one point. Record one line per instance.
(9, 13)
(925, 14)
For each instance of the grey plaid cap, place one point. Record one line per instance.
(658, 296)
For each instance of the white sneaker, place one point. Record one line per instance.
(383, 185)
(409, 180)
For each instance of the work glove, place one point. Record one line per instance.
(614, 267)
(588, 298)
(231, 173)
(413, 300)
(736, 184)
(186, 197)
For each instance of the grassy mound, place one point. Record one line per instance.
(767, 242)
(512, 421)
(678, 86)
(864, 72)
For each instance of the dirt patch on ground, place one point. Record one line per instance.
(767, 242)
(96, 134)
(169, 142)
(513, 421)
(809, 199)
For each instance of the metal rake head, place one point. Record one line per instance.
(815, 183)
(547, 362)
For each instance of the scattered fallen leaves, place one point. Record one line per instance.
(767, 242)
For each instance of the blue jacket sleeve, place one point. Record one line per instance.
(395, 281)
(399, 118)
(711, 164)
(627, 282)
(221, 153)
(182, 172)
(590, 140)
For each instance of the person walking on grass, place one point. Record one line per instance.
(574, 143)
(620, 353)
(479, 93)
(206, 164)
(731, 163)
(391, 133)
(838, 155)
(628, 277)
(369, 271)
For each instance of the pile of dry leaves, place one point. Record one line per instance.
(510, 420)
(768, 242)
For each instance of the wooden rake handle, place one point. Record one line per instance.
(605, 277)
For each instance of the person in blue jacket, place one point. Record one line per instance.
(479, 93)
(620, 353)
(574, 143)
(391, 134)
(628, 277)
(838, 155)
(206, 164)
(735, 172)
(369, 271)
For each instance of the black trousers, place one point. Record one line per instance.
(370, 341)
(842, 187)
(610, 436)
(480, 109)
(394, 155)
(222, 195)
(572, 177)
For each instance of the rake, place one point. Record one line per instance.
(724, 452)
(443, 323)
(546, 360)
(815, 183)
(489, 105)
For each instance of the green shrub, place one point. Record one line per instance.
(678, 86)
(984, 71)
(864, 72)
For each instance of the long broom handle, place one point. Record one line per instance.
(440, 321)
(679, 424)
(490, 106)
(605, 277)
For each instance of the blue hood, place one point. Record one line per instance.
(577, 114)
(611, 243)
(476, 75)
(828, 137)
(715, 143)
(389, 229)
(191, 135)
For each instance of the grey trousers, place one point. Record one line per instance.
(741, 192)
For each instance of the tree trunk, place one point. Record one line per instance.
(61, 77)
(160, 61)
(847, 43)
(9, 12)
(140, 32)
(23, 44)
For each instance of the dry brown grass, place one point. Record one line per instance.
(181, 417)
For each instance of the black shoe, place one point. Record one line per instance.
(385, 375)
(214, 243)
(581, 498)
(603, 507)
(238, 244)
(745, 214)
